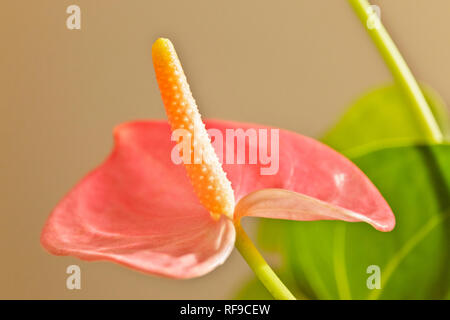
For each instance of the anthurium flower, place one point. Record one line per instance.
(142, 210)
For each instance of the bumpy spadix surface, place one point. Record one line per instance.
(203, 167)
(138, 208)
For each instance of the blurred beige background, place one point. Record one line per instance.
(293, 64)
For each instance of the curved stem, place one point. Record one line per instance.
(260, 267)
(398, 68)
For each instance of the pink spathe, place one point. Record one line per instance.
(139, 209)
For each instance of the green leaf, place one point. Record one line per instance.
(332, 257)
(329, 259)
(381, 116)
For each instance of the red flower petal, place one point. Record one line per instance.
(139, 209)
(290, 205)
(311, 168)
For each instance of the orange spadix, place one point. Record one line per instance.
(203, 168)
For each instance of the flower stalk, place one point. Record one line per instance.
(399, 69)
(260, 267)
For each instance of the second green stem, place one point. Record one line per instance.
(398, 68)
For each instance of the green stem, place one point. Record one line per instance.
(260, 267)
(399, 69)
